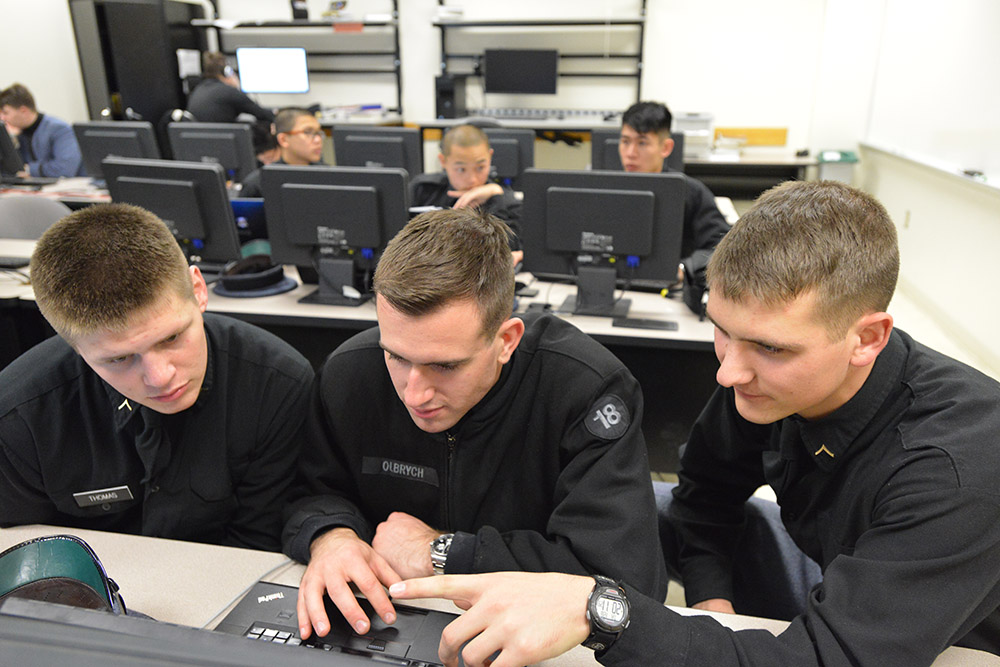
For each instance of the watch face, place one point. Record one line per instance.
(610, 609)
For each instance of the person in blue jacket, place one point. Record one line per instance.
(47, 144)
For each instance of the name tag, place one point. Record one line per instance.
(371, 465)
(114, 494)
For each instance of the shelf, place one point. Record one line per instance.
(530, 23)
(349, 26)
(637, 23)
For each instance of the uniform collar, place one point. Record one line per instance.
(488, 405)
(125, 409)
(826, 441)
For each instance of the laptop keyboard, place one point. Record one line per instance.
(375, 649)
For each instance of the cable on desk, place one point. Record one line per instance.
(25, 279)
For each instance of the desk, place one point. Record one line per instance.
(196, 584)
(333, 117)
(746, 176)
(285, 309)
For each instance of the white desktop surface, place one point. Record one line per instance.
(12, 286)
(195, 584)
(690, 333)
(285, 308)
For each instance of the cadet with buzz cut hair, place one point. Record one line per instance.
(187, 419)
(467, 181)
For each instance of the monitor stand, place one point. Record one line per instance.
(595, 294)
(334, 274)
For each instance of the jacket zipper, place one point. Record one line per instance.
(452, 440)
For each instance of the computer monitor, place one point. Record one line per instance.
(99, 139)
(604, 150)
(396, 147)
(37, 634)
(520, 71)
(190, 197)
(598, 227)
(513, 152)
(10, 159)
(229, 144)
(272, 69)
(250, 219)
(333, 222)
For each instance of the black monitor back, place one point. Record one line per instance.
(604, 150)
(597, 215)
(10, 159)
(391, 147)
(513, 152)
(228, 144)
(190, 197)
(99, 139)
(307, 208)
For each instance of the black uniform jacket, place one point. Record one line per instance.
(894, 494)
(704, 225)
(213, 101)
(221, 478)
(548, 472)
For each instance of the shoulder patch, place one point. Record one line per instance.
(608, 418)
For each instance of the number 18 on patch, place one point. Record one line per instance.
(608, 418)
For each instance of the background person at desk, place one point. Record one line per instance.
(457, 438)
(466, 158)
(643, 147)
(300, 139)
(144, 415)
(883, 455)
(218, 98)
(47, 144)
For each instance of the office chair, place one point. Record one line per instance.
(28, 216)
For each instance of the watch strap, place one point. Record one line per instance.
(440, 546)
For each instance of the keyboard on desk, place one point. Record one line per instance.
(589, 115)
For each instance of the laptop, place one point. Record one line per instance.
(267, 613)
(42, 634)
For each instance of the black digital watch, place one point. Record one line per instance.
(608, 613)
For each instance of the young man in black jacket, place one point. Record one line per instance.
(643, 147)
(458, 438)
(467, 159)
(218, 98)
(882, 454)
(146, 415)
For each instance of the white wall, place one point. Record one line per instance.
(38, 49)
(949, 233)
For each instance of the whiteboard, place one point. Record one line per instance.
(936, 95)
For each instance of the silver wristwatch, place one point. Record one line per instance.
(440, 546)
